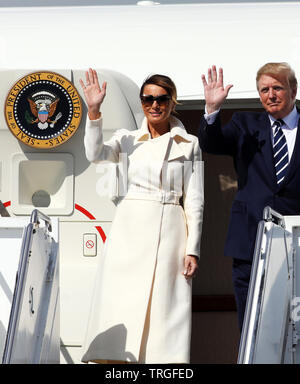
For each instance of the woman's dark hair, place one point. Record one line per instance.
(164, 82)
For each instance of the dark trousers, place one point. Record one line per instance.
(241, 272)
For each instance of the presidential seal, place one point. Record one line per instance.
(43, 109)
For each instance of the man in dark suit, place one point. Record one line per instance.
(266, 152)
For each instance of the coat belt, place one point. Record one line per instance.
(164, 198)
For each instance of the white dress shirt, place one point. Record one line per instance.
(289, 128)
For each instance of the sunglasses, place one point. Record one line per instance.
(161, 100)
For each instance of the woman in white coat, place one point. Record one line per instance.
(141, 308)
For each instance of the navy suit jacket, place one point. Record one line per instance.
(247, 138)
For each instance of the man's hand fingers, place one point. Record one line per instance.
(204, 80)
(221, 76)
(209, 76)
(227, 89)
(214, 74)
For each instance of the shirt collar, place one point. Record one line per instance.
(177, 130)
(290, 121)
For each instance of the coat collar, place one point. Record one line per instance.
(177, 131)
(180, 143)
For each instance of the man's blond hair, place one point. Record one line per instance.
(278, 69)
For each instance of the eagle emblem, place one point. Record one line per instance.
(43, 106)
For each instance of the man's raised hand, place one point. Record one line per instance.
(214, 90)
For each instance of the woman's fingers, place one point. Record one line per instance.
(91, 80)
(82, 84)
(87, 77)
(190, 266)
(95, 79)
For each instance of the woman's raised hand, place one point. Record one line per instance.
(93, 93)
(214, 91)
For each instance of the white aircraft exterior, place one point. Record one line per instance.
(124, 43)
(181, 40)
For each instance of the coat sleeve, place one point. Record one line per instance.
(217, 139)
(193, 201)
(96, 150)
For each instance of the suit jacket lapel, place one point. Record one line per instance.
(267, 147)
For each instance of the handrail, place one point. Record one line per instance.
(270, 215)
(18, 293)
(37, 215)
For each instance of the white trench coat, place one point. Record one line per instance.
(141, 310)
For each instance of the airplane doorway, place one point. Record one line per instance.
(215, 332)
